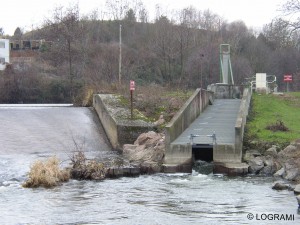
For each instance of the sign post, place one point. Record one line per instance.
(288, 79)
(131, 88)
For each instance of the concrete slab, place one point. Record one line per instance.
(231, 169)
(218, 118)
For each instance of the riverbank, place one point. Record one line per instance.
(272, 144)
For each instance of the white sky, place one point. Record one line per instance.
(31, 13)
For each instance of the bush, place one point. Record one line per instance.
(278, 126)
(46, 174)
(84, 169)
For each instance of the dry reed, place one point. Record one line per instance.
(46, 174)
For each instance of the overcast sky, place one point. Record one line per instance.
(31, 13)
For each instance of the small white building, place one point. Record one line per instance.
(4, 53)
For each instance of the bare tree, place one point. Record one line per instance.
(278, 33)
(117, 8)
(65, 30)
(292, 7)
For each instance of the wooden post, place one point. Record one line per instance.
(131, 88)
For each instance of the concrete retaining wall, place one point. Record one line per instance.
(241, 121)
(233, 153)
(182, 154)
(108, 123)
(119, 132)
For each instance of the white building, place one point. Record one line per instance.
(4, 53)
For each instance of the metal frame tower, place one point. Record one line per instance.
(226, 75)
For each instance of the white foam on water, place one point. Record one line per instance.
(179, 181)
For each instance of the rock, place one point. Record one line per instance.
(270, 166)
(297, 190)
(272, 151)
(148, 139)
(280, 172)
(128, 148)
(160, 121)
(256, 164)
(280, 186)
(174, 103)
(291, 174)
(291, 151)
(249, 155)
(298, 200)
(289, 158)
(292, 169)
(147, 152)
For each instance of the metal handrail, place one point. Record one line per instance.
(213, 136)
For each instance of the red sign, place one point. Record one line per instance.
(287, 78)
(132, 85)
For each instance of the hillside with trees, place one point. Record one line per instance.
(178, 51)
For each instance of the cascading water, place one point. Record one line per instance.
(203, 167)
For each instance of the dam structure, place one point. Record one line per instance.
(210, 127)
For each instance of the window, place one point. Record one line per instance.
(2, 44)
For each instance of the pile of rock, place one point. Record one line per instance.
(285, 164)
(147, 152)
(263, 164)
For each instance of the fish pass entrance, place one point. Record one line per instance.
(202, 152)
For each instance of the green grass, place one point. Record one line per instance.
(267, 110)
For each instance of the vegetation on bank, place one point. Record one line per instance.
(149, 103)
(273, 119)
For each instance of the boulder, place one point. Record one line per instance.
(256, 164)
(279, 185)
(147, 152)
(280, 172)
(292, 169)
(297, 190)
(270, 166)
(291, 151)
(249, 155)
(289, 158)
(272, 151)
(148, 139)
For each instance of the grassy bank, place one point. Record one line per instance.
(274, 118)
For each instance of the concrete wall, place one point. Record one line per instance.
(241, 121)
(225, 153)
(108, 122)
(182, 154)
(233, 153)
(119, 132)
(226, 91)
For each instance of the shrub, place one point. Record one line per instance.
(278, 126)
(84, 169)
(46, 174)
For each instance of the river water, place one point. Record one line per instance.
(36, 132)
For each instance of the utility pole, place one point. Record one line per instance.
(120, 56)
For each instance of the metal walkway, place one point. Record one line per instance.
(219, 118)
